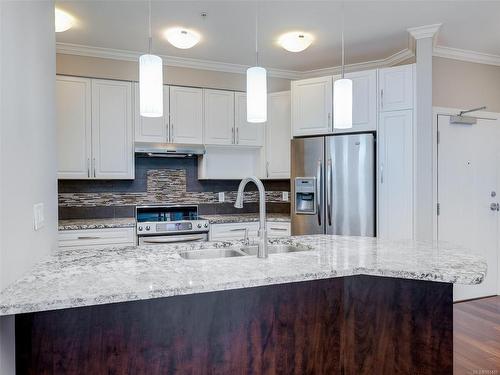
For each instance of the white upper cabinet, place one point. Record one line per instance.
(364, 101)
(396, 88)
(186, 115)
(278, 135)
(312, 106)
(151, 129)
(395, 175)
(112, 130)
(73, 119)
(219, 117)
(246, 133)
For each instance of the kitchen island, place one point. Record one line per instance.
(346, 305)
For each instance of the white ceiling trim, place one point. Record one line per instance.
(466, 55)
(116, 54)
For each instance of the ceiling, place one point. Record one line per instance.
(373, 29)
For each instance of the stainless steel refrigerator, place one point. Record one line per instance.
(333, 185)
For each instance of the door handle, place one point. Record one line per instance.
(495, 207)
(381, 173)
(319, 173)
(382, 98)
(93, 166)
(330, 120)
(88, 167)
(237, 136)
(329, 190)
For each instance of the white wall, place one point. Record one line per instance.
(27, 144)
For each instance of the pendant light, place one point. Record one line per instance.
(256, 85)
(342, 94)
(150, 81)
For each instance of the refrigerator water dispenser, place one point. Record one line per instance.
(305, 195)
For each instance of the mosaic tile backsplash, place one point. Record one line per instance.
(160, 181)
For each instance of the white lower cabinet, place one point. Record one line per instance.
(96, 238)
(395, 175)
(236, 231)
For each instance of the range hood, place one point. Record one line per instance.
(168, 150)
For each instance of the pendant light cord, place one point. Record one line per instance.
(256, 33)
(149, 21)
(342, 25)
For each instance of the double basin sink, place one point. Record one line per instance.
(249, 250)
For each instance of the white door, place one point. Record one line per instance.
(247, 133)
(395, 175)
(364, 101)
(396, 88)
(151, 129)
(312, 106)
(73, 119)
(112, 130)
(186, 115)
(278, 129)
(218, 114)
(468, 172)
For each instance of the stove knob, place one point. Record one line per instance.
(148, 227)
(199, 225)
(206, 225)
(139, 229)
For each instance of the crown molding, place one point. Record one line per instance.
(392, 60)
(116, 54)
(466, 55)
(427, 31)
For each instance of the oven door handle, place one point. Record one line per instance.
(172, 239)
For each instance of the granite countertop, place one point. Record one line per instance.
(78, 224)
(91, 277)
(242, 218)
(129, 222)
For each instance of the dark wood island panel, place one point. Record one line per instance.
(352, 325)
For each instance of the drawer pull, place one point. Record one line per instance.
(88, 237)
(282, 229)
(237, 229)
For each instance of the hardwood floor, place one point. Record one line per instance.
(476, 336)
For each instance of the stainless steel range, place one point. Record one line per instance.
(168, 224)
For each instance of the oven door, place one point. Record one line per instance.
(159, 240)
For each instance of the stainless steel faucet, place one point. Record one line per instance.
(262, 244)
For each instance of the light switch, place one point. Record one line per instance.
(38, 216)
(284, 196)
(221, 197)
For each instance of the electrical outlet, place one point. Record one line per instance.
(284, 196)
(38, 216)
(221, 197)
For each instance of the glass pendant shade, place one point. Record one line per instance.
(256, 94)
(151, 85)
(342, 104)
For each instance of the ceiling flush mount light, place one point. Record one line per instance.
(295, 41)
(150, 81)
(182, 38)
(64, 21)
(256, 86)
(342, 95)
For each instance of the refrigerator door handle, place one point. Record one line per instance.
(328, 187)
(318, 189)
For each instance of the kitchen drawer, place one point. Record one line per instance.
(96, 238)
(233, 231)
(278, 229)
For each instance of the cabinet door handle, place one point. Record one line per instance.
(172, 131)
(280, 229)
(88, 167)
(381, 173)
(267, 169)
(330, 120)
(237, 229)
(237, 135)
(88, 237)
(382, 98)
(232, 136)
(93, 166)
